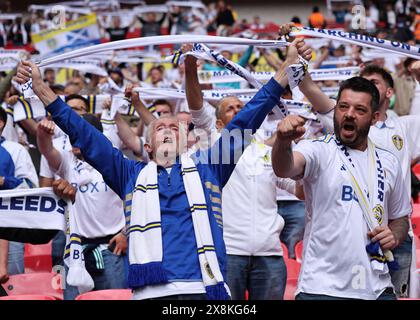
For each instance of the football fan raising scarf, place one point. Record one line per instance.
(145, 232)
(372, 203)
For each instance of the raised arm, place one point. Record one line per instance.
(96, 149)
(249, 118)
(44, 139)
(130, 139)
(319, 100)
(286, 163)
(141, 109)
(192, 85)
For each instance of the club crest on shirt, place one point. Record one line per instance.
(398, 141)
(378, 213)
(208, 270)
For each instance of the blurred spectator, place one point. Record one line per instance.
(3, 35)
(405, 86)
(6, 6)
(211, 15)
(224, 19)
(156, 75)
(257, 24)
(403, 6)
(49, 76)
(403, 32)
(197, 25)
(296, 20)
(17, 33)
(116, 32)
(415, 103)
(390, 16)
(243, 25)
(339, 13)
(416, 25)
(370, 24)
(316, 19)
(117, 76)
(151, 26)
(35, 25)
(179, 21)
(374, 12)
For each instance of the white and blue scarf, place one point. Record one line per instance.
(371, 200)
(145, 232)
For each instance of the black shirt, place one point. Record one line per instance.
(116, 34)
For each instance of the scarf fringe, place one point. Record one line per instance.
(373, 249)
(141, 275)
(217, 292)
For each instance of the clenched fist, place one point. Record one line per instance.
(64, 189)
(45, 127)
(290, 128)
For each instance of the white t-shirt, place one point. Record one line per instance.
(335, 261)
(61, 142)
(251, 224)
(99, 210)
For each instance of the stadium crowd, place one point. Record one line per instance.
(179, 195)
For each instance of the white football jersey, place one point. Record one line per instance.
(335, 261)
(99, 210)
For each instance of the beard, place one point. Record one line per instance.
(355, 135)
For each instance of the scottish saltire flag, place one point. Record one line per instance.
(79, 33)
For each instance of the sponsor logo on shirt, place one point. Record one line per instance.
(91, 187)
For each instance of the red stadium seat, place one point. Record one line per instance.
(289, 293)
(38, 258)
(293, 268)
(417, 243)
(415, 219)
(416, 170)
(48, 284)
(298, 251)
(114, 294)
(28, 297)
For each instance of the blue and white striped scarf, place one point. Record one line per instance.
(145, 232)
